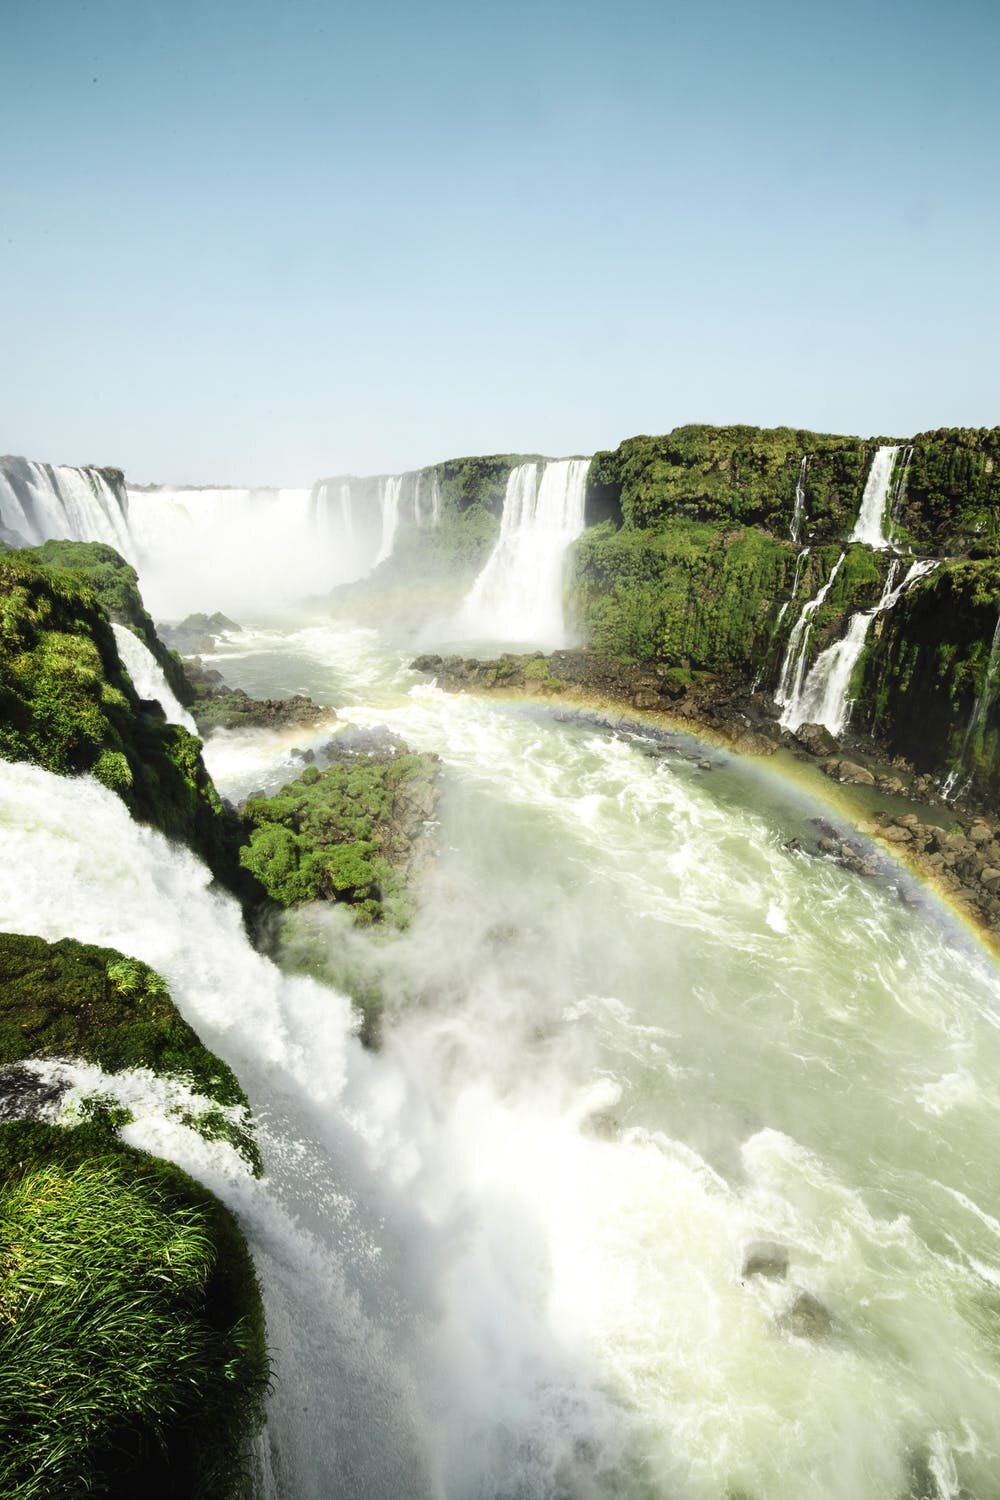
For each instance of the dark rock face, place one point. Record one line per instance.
(26, 1096)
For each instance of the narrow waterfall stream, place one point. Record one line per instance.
(629, 1034)
(147, 676)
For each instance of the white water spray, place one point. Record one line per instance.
(871, 516)
(518, 595)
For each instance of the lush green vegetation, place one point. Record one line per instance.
(74, 1000)
(132, 1348)
(338, 834)
(743, 476)
(67, 704)
(116, 584)
(949, 500)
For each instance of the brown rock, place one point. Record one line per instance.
(850, 771)
(896, 835)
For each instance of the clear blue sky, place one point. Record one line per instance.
(257, 242)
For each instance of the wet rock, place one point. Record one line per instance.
(816, 738)
(765, 1258)
(896, 835)
(646, 699)
(807, 1318)
(25, 1096)
(428, 663)
(364, 742)
(980, 833)
(849, 771)
(990, 877)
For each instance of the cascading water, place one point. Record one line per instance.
(147, 677)
(799, 511)
(823, 697)
(435, 502)
(627, 1034)
(518, 595)
(868, 527)
(43, 502)
(799, 564)
(793, 667)
(389, 492)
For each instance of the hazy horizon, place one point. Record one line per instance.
(245, 244)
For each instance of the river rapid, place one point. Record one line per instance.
(628, 1034)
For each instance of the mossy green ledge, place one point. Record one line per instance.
(67, 703)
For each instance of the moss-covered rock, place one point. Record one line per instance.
(66, 703)
(346, 833)
(132, 1348)
(116, 584)
(77, 1001)
(217, 706)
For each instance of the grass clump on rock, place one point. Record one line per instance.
(132, 1350)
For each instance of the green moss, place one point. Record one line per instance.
(75, 1000)
(66, 703)
(132, 1350)
(731, 475)
(116, 584)
(335, 835)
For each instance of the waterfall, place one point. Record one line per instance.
(793, 668)
(868, 527)
(979, 707)
(389, 490)
(823, 697)
(518, 594)
(417, 513)
(42, 502)
(795, 587)
(800, 499)
(147, 677)
(435, 502)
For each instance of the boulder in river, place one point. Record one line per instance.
(765, 1258)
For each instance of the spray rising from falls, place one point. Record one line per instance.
(871, 516)
(41, 502)
(518, 595)
(147, 677)
(239, 549)
(823, 697)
